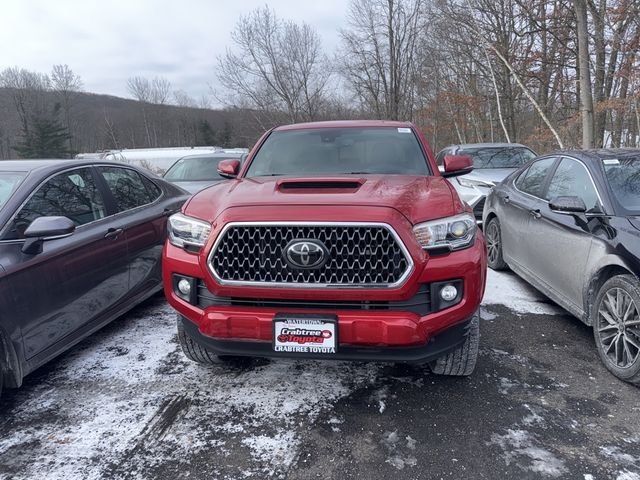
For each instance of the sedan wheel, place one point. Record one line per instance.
(493, 238)
(617, 327)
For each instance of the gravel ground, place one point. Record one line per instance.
(126, 404)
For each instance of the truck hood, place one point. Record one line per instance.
(418, 198)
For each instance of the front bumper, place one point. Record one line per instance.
(437, 346)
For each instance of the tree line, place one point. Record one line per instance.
(50, 116)
(548, 73)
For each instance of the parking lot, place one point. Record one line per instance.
(125, 403)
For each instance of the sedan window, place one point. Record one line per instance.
(571, 178)
(498, 157)
(624, 179)
(71, 194)
(196, 169)
(128, 188)
(531, 181)
(9, 181)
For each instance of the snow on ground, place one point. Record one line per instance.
(127, 403)
(506, 289)
(129, 397)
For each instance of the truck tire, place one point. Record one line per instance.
(462, 361)
(616, 327)
(193, 350)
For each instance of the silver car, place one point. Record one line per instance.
(492, 163)
(195, 172)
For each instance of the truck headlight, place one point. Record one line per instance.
(185, 232)
(454, 233)
(467, 182)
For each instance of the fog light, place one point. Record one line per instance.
(184, 287)
(448, 293)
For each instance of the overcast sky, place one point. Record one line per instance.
(108, 41)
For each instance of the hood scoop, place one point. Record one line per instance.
(325, 185)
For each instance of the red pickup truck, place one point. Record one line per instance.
(335, 240)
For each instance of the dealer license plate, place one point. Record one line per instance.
(297, 333)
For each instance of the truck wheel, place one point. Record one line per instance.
(493, 237)
(192, 350)
(462, 361)
(616, 327)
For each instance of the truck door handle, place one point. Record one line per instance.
(535, 213)
(113, 233)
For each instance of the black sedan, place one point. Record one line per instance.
(569, 224)
(80, 244)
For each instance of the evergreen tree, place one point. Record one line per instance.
(206, 135)
(45, 137)
(225, 136)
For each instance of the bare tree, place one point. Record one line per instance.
(141, 89)
(27, 91)
(66, 84)
(275, 66)
(379, 58)
(183, 99)
(586, 88)
(160, 89)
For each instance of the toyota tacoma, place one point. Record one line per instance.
(337, 240)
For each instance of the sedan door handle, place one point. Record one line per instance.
(535, 213)
(167, 212)
(113, 233)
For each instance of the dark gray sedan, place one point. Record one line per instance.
(80, 244)
(569, 224)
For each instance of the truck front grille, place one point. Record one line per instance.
(359, 255)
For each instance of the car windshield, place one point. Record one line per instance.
(623, 176)
(9, 181)
(338, 151)
(195, 169)
(498, 157)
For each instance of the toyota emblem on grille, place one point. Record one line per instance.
(306, 254)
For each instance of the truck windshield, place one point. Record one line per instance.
(339, 151)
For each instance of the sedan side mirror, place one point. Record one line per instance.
(46, 228)
(569, 204)
(455, 165)
(229, 168)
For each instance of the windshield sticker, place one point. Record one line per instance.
(404, 130)
(613, 161)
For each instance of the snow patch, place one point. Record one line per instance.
(519, 446)
(627, 475)
(504, 288)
